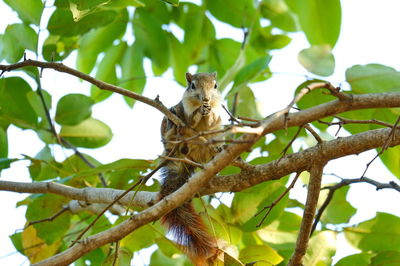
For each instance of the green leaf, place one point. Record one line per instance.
(84, 4)
(282, 233)
(159, 259)
(45, 206)
(122, 258)
(168, 247)
(16, 39)
(361, 259)
(387, 258)
(320, 20)
(90, 133)
(251, 71)
(14, 104)
(179, 59)
(44, 166)
(73, 109)
(339, 209)
(239, 13)
(247, 203)
(172, 2)
(279, 14)
(62, 22)
(321, 249)
(74, 164)
(159, 10)
(98, 40)
(107, 71)
(6, 162)
(391, 159)
(2, 52)
(24, 36)
(16, 239)
(199, 32)
(29, 11)
(121, 164)
(95, 257)
(3, 143)
(259, 253)
(246, 105)
(133, 77)
(378, 234)
(37, 105)
(124, 3)
(56, 48)
(318, 59)
(223, 54)
(373, 78)
(148, 31)
(142, 237)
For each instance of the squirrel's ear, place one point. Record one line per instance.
(214, 74)
(189, 77)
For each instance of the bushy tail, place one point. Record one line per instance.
(191, 234)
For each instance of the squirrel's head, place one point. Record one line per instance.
(202, 89)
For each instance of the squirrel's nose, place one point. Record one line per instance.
(206, 99)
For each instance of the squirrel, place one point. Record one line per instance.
(199, 109)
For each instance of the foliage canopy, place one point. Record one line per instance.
(111, 40)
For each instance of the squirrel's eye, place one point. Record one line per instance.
(192, 86)
(215, 86)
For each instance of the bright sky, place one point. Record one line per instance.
(369, 35)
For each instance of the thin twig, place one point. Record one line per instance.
(322, 209)
(200, 134)
(51, 218)
(116, 253)
(284, 151)
(275, 202)
(343, 121)
(232, 118)
(385, 145)
(346, 182)
(312, 131)
(183, 160)
(47, 113)
(335, 91)
(249, 119)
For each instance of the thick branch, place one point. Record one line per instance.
(89, 194)
(249, 176)
(300, 161)
(314, 187)
(98, 83)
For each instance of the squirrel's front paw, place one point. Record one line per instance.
(205, 109)
(218, 149)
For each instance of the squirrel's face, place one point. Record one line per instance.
(202, 91)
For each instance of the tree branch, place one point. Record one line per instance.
(249, 176)
(100, 84)
(346, 182)
(88, 194)
(300, 161)
(314, 187)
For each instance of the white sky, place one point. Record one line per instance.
(369, 34)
